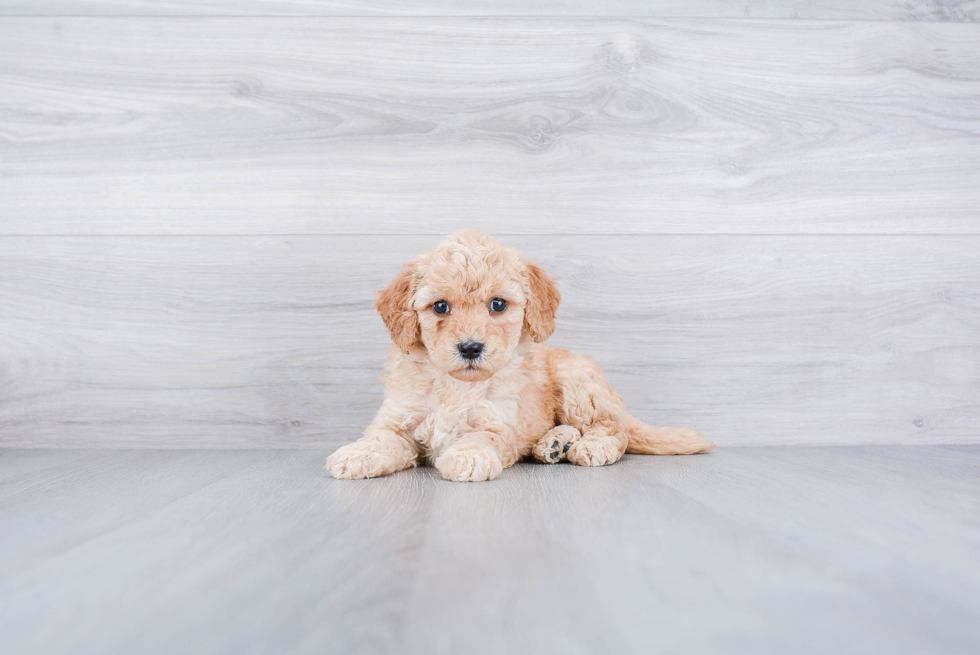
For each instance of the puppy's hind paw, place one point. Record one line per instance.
(553, 446)
(595, 451)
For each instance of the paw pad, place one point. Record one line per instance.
(553, 447)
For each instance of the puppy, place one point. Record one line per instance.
(470, 385)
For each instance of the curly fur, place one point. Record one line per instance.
(473, 419)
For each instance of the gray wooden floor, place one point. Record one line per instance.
(871, 549)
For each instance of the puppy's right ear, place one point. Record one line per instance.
(395, 306)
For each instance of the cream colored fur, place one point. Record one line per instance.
(520, 398)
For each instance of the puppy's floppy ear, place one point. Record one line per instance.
(395, 306)
(542, 302)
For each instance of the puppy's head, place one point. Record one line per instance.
(468, 302)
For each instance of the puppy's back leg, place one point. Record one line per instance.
(592, 406)
(600, 445)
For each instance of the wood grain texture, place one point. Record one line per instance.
(408, 126)
(216, 570)
(761, 550)
(40, 508)
(265, 342)
(935, 10)
(744, 551)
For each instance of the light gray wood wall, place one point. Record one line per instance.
(766, 229)
(381, 126)
(926, 10)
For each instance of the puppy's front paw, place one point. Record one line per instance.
(359, 460)
(594, 452)
(469, 463)
(555, 444)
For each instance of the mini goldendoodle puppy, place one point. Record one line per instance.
(471, 385)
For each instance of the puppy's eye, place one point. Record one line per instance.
(440, 307)
(498, 305)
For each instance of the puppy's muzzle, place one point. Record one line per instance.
(470, 349)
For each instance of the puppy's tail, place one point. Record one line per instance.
(652, 440)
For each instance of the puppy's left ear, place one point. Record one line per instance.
(542, 302)
(395, 306)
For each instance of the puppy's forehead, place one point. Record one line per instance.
(476, 268)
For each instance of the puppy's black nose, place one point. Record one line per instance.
(470, 349)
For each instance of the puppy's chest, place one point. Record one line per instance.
(455, 408)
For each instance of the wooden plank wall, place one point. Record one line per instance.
(930, 10)
(764, 216)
